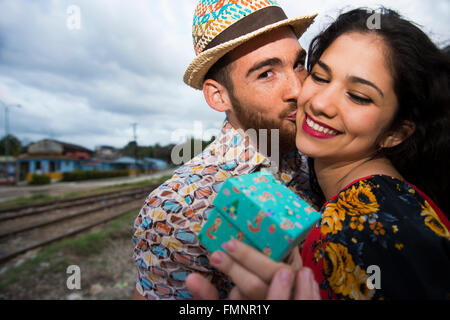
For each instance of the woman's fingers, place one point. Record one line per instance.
(306, 286)
(201, 288)
(295, 259)
(248, 283)
(252, 260)
(281, 286)
(236, 294)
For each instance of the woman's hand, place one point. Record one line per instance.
(256, 276)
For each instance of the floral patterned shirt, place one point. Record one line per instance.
(380, 225)
(165, 231)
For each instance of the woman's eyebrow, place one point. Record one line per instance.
(324, 66)
(366, 82)
(352, 78)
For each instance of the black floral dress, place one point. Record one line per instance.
(380, 238)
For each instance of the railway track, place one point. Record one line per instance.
(26, 228)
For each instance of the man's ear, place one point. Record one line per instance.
(216, 95)
(403, 132)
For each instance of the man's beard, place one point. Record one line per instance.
(250, 119)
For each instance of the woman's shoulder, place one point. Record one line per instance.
(387, 199)
(387, 223)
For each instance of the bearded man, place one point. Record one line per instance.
(250, 66)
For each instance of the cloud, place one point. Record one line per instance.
(125, 65)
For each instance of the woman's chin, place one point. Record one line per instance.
(307, 147)
(302, 148)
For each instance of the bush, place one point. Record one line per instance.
(40, 179)
(90, 175)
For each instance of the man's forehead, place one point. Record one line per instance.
(264, 42)
(279, 44)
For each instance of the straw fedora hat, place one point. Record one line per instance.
(220, 26)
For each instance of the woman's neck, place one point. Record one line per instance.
(333, 176)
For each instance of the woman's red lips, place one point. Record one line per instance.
(315, 133)
(320, 123)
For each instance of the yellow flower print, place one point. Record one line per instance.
(317, 255)
(433, 222)
(357, 223)
(394, 228)
(345, 278)
(355, 201)
(332, 219)
(377, 228)
(399, 246)
(358, 201)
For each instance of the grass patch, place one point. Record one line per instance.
(42, 197)
(68, 251)
(136, 184)
(22, 201)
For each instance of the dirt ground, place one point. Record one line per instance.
(103, 254)
(108, 273)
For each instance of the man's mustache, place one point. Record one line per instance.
(291, 108)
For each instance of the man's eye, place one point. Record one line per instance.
(265, 74)
(299, 65)
(318, 79)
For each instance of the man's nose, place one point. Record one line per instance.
(293, 87)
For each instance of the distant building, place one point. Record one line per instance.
(7, 170)
(156, 164)
(106, 153)
(51, 157)
(102, 159)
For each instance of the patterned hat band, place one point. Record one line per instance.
(250, 23)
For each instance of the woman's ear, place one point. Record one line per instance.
(403, 132)
(216, 95)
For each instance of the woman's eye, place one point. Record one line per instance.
(359, 99)
(318, 79)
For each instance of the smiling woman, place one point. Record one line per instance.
(373, 98)
(374, 119)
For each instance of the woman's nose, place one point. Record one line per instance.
(324, 102)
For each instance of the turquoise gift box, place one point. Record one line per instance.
(260, 211)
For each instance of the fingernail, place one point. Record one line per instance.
(308, 276)
(229, 246)
(216, 258)
(285, 275)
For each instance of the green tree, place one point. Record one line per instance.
(12, 143)
(158, 151)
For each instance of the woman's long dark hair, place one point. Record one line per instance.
(421, 74)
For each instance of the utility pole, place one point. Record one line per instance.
(135, 145)
(7, 125)
(6, 136)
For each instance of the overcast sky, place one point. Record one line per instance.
(125, 65)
